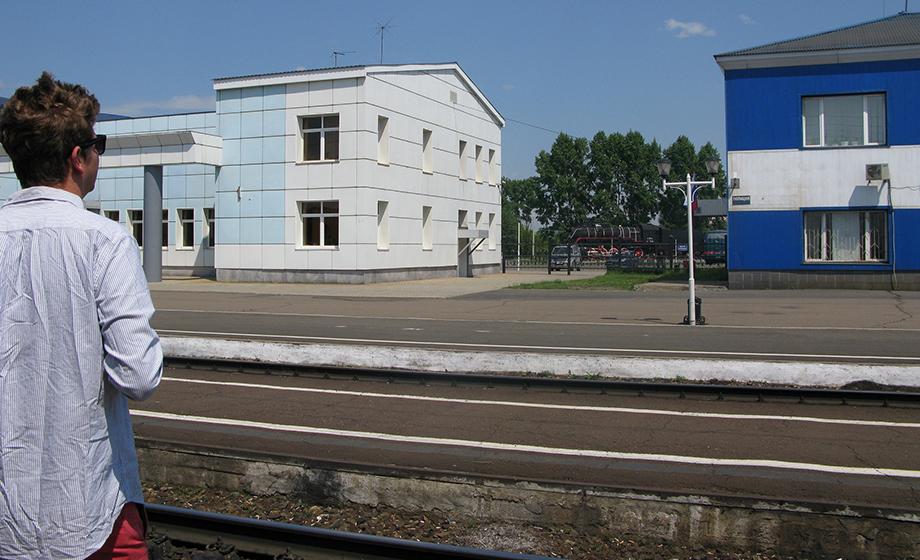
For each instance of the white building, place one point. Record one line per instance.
(354, 174)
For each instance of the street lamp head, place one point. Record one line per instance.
(664, 168)
(712, 166)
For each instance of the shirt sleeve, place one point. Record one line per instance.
(133, 358)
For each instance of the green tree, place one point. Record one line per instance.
(624, 178)
(564, 186)
(518, 201)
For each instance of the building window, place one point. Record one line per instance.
(479, 226)
(383, 224)
(186, 234)
(478, 154)
(136, 224)
(210, 225)
(427, 237)
(462, 220)
(843, 120)
(383, 140)
(492, 179)
(427, 155)
(491, 231)
(853, 236)
(113, 215)
(463, 158)
(165, 229)
(320, 135)
(320, 223)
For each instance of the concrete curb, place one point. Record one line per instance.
(389, 357)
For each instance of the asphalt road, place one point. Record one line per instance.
(852, 455)
(860, 327)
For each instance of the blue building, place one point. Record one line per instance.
(823, 142)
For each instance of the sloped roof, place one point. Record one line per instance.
(899, 30)
(352, 71)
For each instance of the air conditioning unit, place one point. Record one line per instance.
(877, 172)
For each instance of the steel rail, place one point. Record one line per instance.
(720, 391)
(264, 537)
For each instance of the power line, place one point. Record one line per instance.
(538, 127)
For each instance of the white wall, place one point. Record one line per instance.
(792, 179)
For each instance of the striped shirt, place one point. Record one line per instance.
(75, 344)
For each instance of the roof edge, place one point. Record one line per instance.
(814, 58)
(813, 35)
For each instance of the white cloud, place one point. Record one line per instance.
(178, 103)
(507, 87)
(746, 19)
(686, 29)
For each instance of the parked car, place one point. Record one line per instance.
(714, 246)
(564, 256)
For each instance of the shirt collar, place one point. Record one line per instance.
(45, 193)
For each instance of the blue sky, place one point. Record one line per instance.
(576, 66)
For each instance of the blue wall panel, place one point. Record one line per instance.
(906, 234)
(763, 106)
(774, 240)
(765, 240)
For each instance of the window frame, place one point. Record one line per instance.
(114, 215)
(183, 226)
(164, 243)
(210, 223)
(427, 151)
(826, 238)
(383, 140)
(477, 152)
(136, 226)
(322, 215)
(463, 151)
(427, 228)
(491, 167)
(323, 130)
(383, 225)
(822, 131)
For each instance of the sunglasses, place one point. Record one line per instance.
(98, 143)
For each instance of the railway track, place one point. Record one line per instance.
(226, 536)
(866, 395)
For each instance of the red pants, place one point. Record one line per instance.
(127, 539)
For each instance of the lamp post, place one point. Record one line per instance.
(690, 188)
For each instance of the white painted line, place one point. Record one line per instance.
(545, 348)
(590, 453)
(531, 322)
(579, 408)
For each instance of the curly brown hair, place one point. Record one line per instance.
(40, 125)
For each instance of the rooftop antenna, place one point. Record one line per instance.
(337, 54)
(381, 30)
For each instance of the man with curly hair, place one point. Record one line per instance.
(75, 341)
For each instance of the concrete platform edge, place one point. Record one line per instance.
(743, 524)
(407, 358)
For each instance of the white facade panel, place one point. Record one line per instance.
(793, 179)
